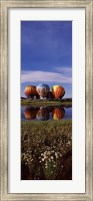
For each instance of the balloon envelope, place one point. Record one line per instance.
(58, 91)
(43, 90)
(50, 95)
(30, 91)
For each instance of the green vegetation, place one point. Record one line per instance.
(46, 149)
(67, 102)
(30, 124)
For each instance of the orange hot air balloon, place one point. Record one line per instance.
(30, 113)
(58, 113)
(30, 91)
(58, 91)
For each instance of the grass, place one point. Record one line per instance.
(45, 102)
(46, 150)
(46, 123)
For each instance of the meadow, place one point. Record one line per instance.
(51, 102)
(46, 150)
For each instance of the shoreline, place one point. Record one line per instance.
(26, 102)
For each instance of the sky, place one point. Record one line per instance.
(46, 54)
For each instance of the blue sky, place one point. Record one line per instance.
(46, 54)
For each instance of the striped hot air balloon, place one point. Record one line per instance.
(43, 90)
(30, 91)
(58, 113)
(58, 91)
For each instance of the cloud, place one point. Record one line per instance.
(62, 76)
(65, 71)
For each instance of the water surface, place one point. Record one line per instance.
(45, 113)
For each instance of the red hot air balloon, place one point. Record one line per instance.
(58, 91)
(30, 91)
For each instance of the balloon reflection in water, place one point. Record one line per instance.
(58, 113)
(30, 113)
(42, 114)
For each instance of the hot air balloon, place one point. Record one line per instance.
(43, 90)
(50, 95)
(30, 113)
(42, 114)
(58, 91)
(58, 113)
(30, 91)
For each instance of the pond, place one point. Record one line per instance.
(45, 113)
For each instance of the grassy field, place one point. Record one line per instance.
(45, 102)
(46, 150)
